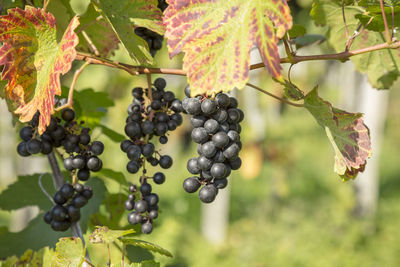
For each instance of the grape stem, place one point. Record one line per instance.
(274, 96)
(43, 189)
(58, 180)
(387, 31)
(70, 101)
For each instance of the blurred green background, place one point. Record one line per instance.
(287, 206)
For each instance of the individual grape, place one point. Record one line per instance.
(34, 146)
(163, 139)
(147, 127)
(68, 165)
(169, 96)
(221, 183)
(59, 213)
(26, 133)
(73, 213)
(233, 136)
(84, 139)
(198, 121)
(153, 214)
(148, 150)
(204, 163)
(47, 148)
(132, 167)
(211, 126)
(132, 188)
(208, 193)
(233, 102)
(68, 114)
(78, 162)
(125, 145)
(159, 178)
(145, 188)
(176, 105)
(206, 176)
(218, 170)
(141, 206)
(94, 164)
(199, 135)
(87, 192)
(191, 184)
(178, 118)
(220, 139)
(47, 217)
(129, 205)
(222, 100)
(59, 199)
(23, 150)
(147, 228)
(83, 174)
(235, 164)
(220, 115)
(79, 201)
(187, 91)
(208, 149)
(165, 161)
(134, 152)
(79, 188)
(193, 106)
(193, 166)
(208, 106)
(160, 83)
(151, 199)
(134, 218)
(231, 152)
(97, 148)
(132, 129)
(66, 191)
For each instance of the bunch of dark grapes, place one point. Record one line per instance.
(153, 39)
(68, 201)
(217, 130)
(144, 203)
(145, 121)
(65, 132)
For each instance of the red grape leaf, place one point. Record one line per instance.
(347, 132)
(33, 61)
(217, 36)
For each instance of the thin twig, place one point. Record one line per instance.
(45, 4)
(134, 70)
(90, 43)
(274, 96)
(43, 189)
(70, 101)
(387, 32)
(392, 22)
(288, 49)
(123, 256)
(89, 24)
(344, 21)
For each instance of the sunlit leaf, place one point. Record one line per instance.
(70, 252)
(124, 16)
(382, 66)
(347, 133)
(103, 234)
(146, 245)
(217, 36)
(33, 61)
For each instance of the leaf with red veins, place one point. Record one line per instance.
(217, 36)
(33, 61)
(347, 133)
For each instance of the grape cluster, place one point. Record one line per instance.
(153, 39)
(144, 203)
(145, 121)
(68, 201)
(217, 130)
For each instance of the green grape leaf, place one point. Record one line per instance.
(297, 30)
(27, 186)
(29, 258)
(217, 36)
(99, 31)
(33, 61)
(102, 234)
(118, 177)
(380, 66)
(70, 252)
(146, 245)
(124, 16)
(113, 135)
(291, 91)
(347, 133)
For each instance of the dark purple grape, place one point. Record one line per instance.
(208, 193)
(159, 178)
(191, 184)
(97, 148)
(26, 133)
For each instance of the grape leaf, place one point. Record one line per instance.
(347, 133)
(146, 245)
(70, 252)
(118, 177)
(113, 135)
(33, 61)
(28, 187)
(124, 15)
(102, 234)
(99, 32)
(297, 30)
(382, 66)
(217, 36)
